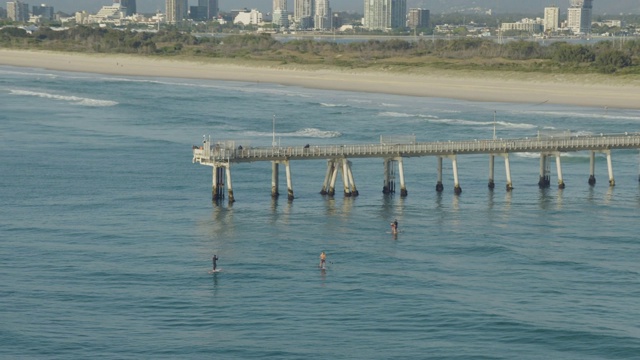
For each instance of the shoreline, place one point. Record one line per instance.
(529, 88)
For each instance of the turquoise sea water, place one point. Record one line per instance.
(107, 230)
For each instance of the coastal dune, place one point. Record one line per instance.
(603, 91)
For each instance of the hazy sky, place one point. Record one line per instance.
(436, 6)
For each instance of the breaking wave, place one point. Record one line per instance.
(72, 99)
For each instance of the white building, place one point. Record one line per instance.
(527, 25)
(253, 17)
(322, 19)
(109, 13)
(82, 17)
(551, 19)
(385, 14)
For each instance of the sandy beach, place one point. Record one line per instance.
(582, 90)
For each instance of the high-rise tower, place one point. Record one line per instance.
(177, 10)
(280, 13)
(303, 12)
(129, 4)
(579, 16)
(17, 11)
(322, 18)
(551, 18)
(211, 7)
(418, 18)
(385, 14)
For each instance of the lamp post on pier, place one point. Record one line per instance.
(273, 142)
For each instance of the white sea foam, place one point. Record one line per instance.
(32, 74)
(596, 114)
(361, 101)
(502, 124)
(306, 132)
(72, 99)
(315, 133)
(528, 155)
(333, 105)
(583, 133)
(406, 115)
(395, 114)
(533, 155)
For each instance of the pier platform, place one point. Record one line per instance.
(222, 154)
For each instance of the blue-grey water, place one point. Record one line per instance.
(107, 229)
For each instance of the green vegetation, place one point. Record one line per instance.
(392, 54)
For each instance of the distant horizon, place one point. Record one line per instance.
(601, 7)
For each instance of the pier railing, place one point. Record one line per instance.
(226, 151)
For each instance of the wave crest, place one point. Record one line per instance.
(72, 99)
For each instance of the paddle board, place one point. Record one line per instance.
(215, 271)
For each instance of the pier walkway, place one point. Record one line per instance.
(392, 150)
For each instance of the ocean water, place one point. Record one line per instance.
(107, 229)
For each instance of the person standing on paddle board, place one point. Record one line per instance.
(395, 224)
(323, 259)
(215, 260)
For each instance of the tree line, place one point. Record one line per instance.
(468, 53)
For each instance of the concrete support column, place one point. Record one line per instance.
(354, 190)
(289, 183)
(507, 168)
(439, 186)
(345, 178)
(334, 176)
(492, 184)
(543, 163)
(561, 184)
(403, 187)
(327, 177)
(612, 181)
(386, 187)
(229, 187)
(592, 168)
(215, 190)
(274, 179)
(456, 184)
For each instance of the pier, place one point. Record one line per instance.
(392, 150)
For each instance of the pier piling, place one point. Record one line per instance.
(592, 168)
(507, 168)
(612, 181)
(274, 179)
(561, 184)
(439, 185)
(492, 184)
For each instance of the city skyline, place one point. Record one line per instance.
(435, 6)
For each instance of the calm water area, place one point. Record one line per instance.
(107, 229)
